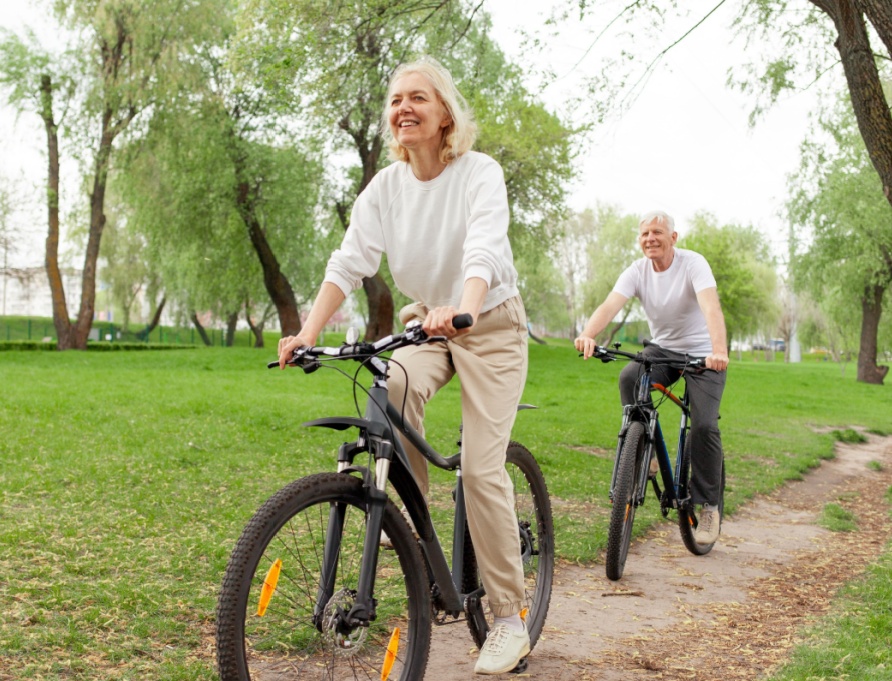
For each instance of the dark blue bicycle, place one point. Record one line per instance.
(640, 441)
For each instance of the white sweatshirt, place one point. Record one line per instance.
(436, 234)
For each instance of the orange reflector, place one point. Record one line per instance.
(390, 656)
(524, 613)
(269, 586)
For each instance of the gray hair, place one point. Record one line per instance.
(660, 217)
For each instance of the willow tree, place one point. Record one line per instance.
(222, 177)
(123, 59)
(842, 236)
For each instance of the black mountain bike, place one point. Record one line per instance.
(640, 439)
(310, 593)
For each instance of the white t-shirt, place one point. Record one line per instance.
(670, 300)
(436, 234)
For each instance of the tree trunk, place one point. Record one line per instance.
(277, 285)
(380, 298)
(231, 322)
(872, 309)
(53, 273)
(257, 330)
(879, 12)
(618, 326)
(380, 308)
(201, 331)
(156, 319)
(863, 79)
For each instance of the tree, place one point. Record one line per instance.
(125, 58)
(816, 37)
(744, 271)
(842, 243)
(614, 248)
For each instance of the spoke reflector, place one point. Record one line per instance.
(390, 656)
(269, 586)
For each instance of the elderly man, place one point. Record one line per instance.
(678, 292)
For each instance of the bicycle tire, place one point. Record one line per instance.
(536, 534)
(284, 642)
(687, 514)
(622, 515)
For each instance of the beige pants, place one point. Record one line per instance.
(491, 362)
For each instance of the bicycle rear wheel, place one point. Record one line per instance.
(266, 625)
(688, 514)
(536, 533)
(622, 515)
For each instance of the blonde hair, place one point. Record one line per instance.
(461, 132)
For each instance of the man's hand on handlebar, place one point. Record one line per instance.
(717, 361)
(585, 345)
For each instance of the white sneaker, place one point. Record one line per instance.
(386, 541)
(502, 650)
(709, 525)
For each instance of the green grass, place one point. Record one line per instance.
(853, 642)
(125, 479)
(850, 436)
(837, 519)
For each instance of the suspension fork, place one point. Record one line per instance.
(375, 485)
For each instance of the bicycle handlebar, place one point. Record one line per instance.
(612, 354)
(307, 357)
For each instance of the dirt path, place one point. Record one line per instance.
(773, 570)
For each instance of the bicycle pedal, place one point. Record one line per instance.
(521, 667)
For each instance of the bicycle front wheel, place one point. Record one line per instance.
(688, 518)
(622, 515)
(536, 534)
(282, 613)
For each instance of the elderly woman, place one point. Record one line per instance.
(440, 213)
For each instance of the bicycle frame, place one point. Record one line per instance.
(644, 411)
(377, 437)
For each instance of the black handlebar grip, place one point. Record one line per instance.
(463, 321)
(273, 365)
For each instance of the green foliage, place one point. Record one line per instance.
(841, 232)
(744, 271)
(26, 345)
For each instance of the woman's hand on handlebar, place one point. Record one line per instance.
(289, 344)
(585, 345)
(439, 322)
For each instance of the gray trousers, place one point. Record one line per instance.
(705, 391)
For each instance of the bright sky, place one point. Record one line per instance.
(684, 146)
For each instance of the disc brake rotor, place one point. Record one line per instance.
(342, 639)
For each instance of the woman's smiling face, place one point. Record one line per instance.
(417, 117)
